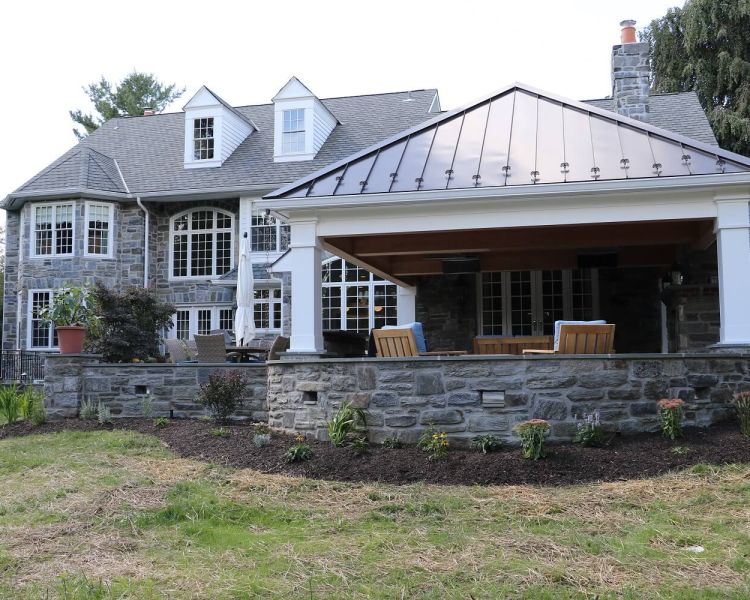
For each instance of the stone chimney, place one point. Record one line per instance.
(630, 74)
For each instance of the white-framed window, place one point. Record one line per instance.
(203, 138)
(293, 131)
(267, 309)
(268, 234)
(201, 320)
(355, 299)
(529, 302)
(201, 243)
(99, 220)
(52, 227)
(41, 335)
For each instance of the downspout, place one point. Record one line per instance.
(145, 240)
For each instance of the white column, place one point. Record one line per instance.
(406, 305)
(733, 248)
(307, 309)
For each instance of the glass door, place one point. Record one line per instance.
(522, 312)
(549, 291)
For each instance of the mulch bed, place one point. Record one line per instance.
(634, 457)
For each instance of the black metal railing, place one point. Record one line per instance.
(21, 366)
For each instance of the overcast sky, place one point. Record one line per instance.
(245, 51)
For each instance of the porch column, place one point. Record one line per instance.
(406, 305)
(733, 249)
(307, 309)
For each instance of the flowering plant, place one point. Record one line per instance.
(434, 443)
(532, 434)
(589, 431)
(670, 416)
(742, 405)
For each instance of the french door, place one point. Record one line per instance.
(529, 302)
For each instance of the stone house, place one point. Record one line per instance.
(498, 218)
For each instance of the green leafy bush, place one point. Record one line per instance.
(670, 416)
(532, 434)
(221, 432)
(298, 452)
(103, 414)
(70, 306)
(31, 404)
(486, 443)
(426, 437)
(222, 395)
(261, 440)
(392, 442)
(742, 405)
(129, 323)
(10, 403)
(434, 443)
(161, 422)
(589, 432)
(347, 420)
(87, 411)
(360, 445)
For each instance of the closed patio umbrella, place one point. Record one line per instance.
(244, 319)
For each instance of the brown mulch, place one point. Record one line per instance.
(623, 458)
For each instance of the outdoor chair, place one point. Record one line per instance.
(178, 351)
(213, 349)
(512, 345)
(583, 339)
(228, 337)
(280, 344)
(397, 343)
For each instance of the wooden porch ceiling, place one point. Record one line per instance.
(405, 256)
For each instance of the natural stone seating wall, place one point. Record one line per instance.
(71, 378)
(402, 396)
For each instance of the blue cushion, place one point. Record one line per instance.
(558, 323)
(416, 329)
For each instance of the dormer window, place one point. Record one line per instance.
(203, 139)
(293, 131)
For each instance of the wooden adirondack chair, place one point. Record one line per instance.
(397, 343)
(583, 339)
(512, 345)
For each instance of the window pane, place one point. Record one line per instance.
(201, 254)
(40, 330)
(357, 308)
(64, 229)
(182, 325)
(384, 305)
(180, 256)
(226, 319)
(203, 136)
(204, 321)
(98, 229)
(43, 230)
(492, 304)
(331, 308)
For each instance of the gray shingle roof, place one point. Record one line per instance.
(679, 112)
(149, 150)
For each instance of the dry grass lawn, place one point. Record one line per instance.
(115, 515)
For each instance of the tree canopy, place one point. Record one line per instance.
(130, 97)
(705, 46)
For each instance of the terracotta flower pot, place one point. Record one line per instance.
(70, 339)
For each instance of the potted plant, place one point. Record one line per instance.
(70, 312)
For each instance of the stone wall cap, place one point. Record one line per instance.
(151, 365)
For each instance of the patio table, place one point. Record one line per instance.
(245, 352)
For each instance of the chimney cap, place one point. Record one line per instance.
(147, 112)
(627, 36)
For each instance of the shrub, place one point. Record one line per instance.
(360, 445)
(392, 442)
(103, 414)
(532, 434)
(589, 431)
(670, 416)
(221, 432)
(426, 437)
(71, 306)
(161, 422)
(129, 323)
(486, 443)
(261, 439)
(742, 405)
(299, 452)
(87, 410)
(436, 446)
(262, 428)
(347, 420)
(10, 403)
(147, 407)
(222, 395)
(31, 404)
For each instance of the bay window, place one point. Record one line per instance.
(99, 223)
(52, 229)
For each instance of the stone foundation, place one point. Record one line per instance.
(468, 396)
(71, 379)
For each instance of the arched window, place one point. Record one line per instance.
(354, 299)
(201, 243)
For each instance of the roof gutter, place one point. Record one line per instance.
(146, 225)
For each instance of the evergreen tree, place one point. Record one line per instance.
(134, 94)
(705, 47)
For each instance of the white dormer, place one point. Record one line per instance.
(302, 123)
(213, 130)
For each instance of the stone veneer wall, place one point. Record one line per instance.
(402, 396)
(72, 378)
(447, 307)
